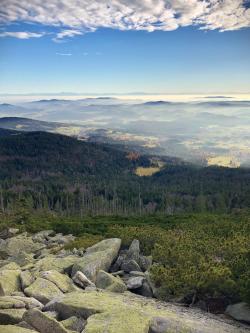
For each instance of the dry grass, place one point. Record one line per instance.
(141, 171)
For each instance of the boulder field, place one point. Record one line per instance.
(102, 289)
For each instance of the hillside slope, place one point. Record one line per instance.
(60, 171)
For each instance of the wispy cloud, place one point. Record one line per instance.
(64, 54)
(21, 34)
(78, 17)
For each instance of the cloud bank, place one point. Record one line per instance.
(76, 17)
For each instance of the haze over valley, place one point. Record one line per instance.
(208, 130)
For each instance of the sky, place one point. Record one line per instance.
(124, 46)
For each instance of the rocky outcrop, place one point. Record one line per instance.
(43, 290)
(53, 290)
(21, 243)
(98, 257)
(239, 311)
(125, 313)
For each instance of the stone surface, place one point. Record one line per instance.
(22, 258)
(61, 265)
(17, 244)
(9, 302)
(125, 313)
(9, 281)
(135, 282)
(239, 311)
(145, 262)
(26, 279)
(43, 323)
(10, 266)
(8, 232)
(11, 316)
(74, 323)
(134, 251)
(130, 265)
(62, 281)
(81, 280)
(14, 329)
(30, 302)
(98, 257)
(109, 282)
(43, 290)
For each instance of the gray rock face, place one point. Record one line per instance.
(98, 257)
(8, 232)
(11, 316)
(9, 281)
(130, 265)
(43, 323)
(21, 243)
(15, 329)
(82, 281)
(135, 282)
(62, 281)
(26, 279)
(109, 282)
(134, 251)
(74, 323)
(43, 290)
(145, 262)
(239, 311)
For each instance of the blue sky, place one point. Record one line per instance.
(105, 59)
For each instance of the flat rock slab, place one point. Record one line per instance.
(43, 323)
(11, 316)
(43, 290)
(14, 329)
(9, 281)
(125, 313)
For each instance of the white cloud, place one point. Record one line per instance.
(21, 34)
(76, 17)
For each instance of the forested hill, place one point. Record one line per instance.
(51, 171)
(40, 153)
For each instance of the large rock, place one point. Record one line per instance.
(43, 235)
(109, 282)
(62, 281)
(19, 302)
(43, 290)
(125, 313)
(42, 322)
(14, 329)
(9, 281)
(239, 311)
(21, 243)
(11, 316)
(22, 258)
(145, 262)
(82, 281)
(135, 282)
(74, 323)
(98, 257)
(26, 279)
(10, 302)
(61, 265)
(134, 251)
(8, 232)
(130, 265)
